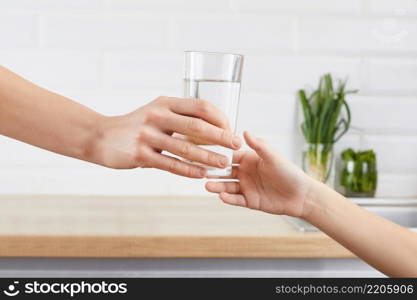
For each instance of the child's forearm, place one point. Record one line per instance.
(36, 116)
(388, 247)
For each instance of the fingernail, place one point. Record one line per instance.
(236, 142)
(223, 162)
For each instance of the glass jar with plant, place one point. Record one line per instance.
(326, 119)
(357, 173)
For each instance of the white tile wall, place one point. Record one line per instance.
(384, 113)
(358, 35)
(116, 55)
(18, 30)
(233, 32)
(393, 76)
(56, 70)
(339, 7)
(105, 31)
(393, 8)
(142, 70)
(289, 73)
(48, 5)
(170, 6)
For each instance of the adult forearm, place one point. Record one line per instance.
(388, 247)
(39, 117)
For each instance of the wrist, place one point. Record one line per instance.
(93, 147)
(314, 202)
(323, 203)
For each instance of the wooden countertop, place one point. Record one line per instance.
(180, 226)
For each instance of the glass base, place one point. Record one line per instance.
(212, 171)
(216, 172)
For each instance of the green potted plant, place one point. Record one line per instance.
(326, 119)
(357, 173)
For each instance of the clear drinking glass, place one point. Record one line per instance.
(215, 77)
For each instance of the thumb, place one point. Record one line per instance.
(260, 146)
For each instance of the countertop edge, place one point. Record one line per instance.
(300, 246)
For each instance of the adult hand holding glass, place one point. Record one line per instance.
(137, 139)
(39, 117)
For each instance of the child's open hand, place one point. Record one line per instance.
(267, 182)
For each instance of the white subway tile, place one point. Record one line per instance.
(395, 154)
(233, 33)
(97, 181)
(357, 35)
(105, 31)
(397, 186)
(45, 5)
(393, 76)
(289, 74)
(299, 6)
(379, 114)
(18, 30)
(171, 5)
(143, 70)
(267, 112)
(397, 8)
(56, 70)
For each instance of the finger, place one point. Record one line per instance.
(202, 130)
(260, 146)
(200, 108)
(188, 150)
(233, 199)
(175, 166)
(230, 187)
(237, 156)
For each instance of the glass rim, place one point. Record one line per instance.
(213, 52)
